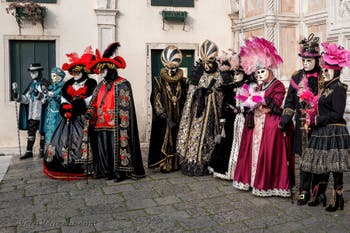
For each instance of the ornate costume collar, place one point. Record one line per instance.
(265, 87)
(172, 79)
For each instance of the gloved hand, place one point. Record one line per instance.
(284, 122)
(88, 115)
(270, 102)
(66, 108)
(50, 93)
(163, 115)
(35, 92)
(68, 115)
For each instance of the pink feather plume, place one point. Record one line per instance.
(258, 53)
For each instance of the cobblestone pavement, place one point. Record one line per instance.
(31, 202)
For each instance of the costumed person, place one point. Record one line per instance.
(32, 109)
(262, 160)
(53, 101)
(220, 160)
(64, 158)
(302, 91)
(167, 99)
(242, 83)
(328, 149)
(112, 115)
(200, 118)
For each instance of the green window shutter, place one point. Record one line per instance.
(178, 3)
(183, 3)
(161, 2)
(23, 53)
(38, 1)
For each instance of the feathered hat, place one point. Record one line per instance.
(309, 47)
(228, 60)
(106, 59)
(79, 63)
(171, 57)
(258, 53)
(334, 57)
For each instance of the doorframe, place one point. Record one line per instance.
(6, 53)
(149, 48)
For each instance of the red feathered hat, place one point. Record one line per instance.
(79, 63)
(116, 62)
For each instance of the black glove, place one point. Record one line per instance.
(275, 109)
(285, 119)
(163, 115)
(88, 115)
(36, 92)
(78, 106)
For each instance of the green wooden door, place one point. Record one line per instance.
(23, 53)
(186, 65)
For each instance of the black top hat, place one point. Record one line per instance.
(35, 67)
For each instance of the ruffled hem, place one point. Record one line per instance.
(262, 193)
(271, 192)
(240, 185)
(325, 161)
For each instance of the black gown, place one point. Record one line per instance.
(221, 155)
(64, 158)
(168, 98)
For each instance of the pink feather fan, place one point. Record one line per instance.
(249, 97)
(258, 53)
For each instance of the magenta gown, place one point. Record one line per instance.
(262, 159)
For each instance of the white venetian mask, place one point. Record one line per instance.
(77, 75)
(55, 78)
(309, 63)
(262, 75)
(328, 74)
(238, 76)
(34, 74)
(103, 73)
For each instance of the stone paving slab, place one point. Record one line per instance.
(31, 202)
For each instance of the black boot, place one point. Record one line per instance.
(321, 198)
(29, 152)
(42, 146)
(318, 195)
(338, 202)
(304, 197)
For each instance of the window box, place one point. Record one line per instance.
(174, 15)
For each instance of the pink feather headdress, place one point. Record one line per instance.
(258, 53)
(335, 57)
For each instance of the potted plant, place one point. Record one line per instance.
(27, 11)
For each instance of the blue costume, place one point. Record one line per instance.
(53, 100)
